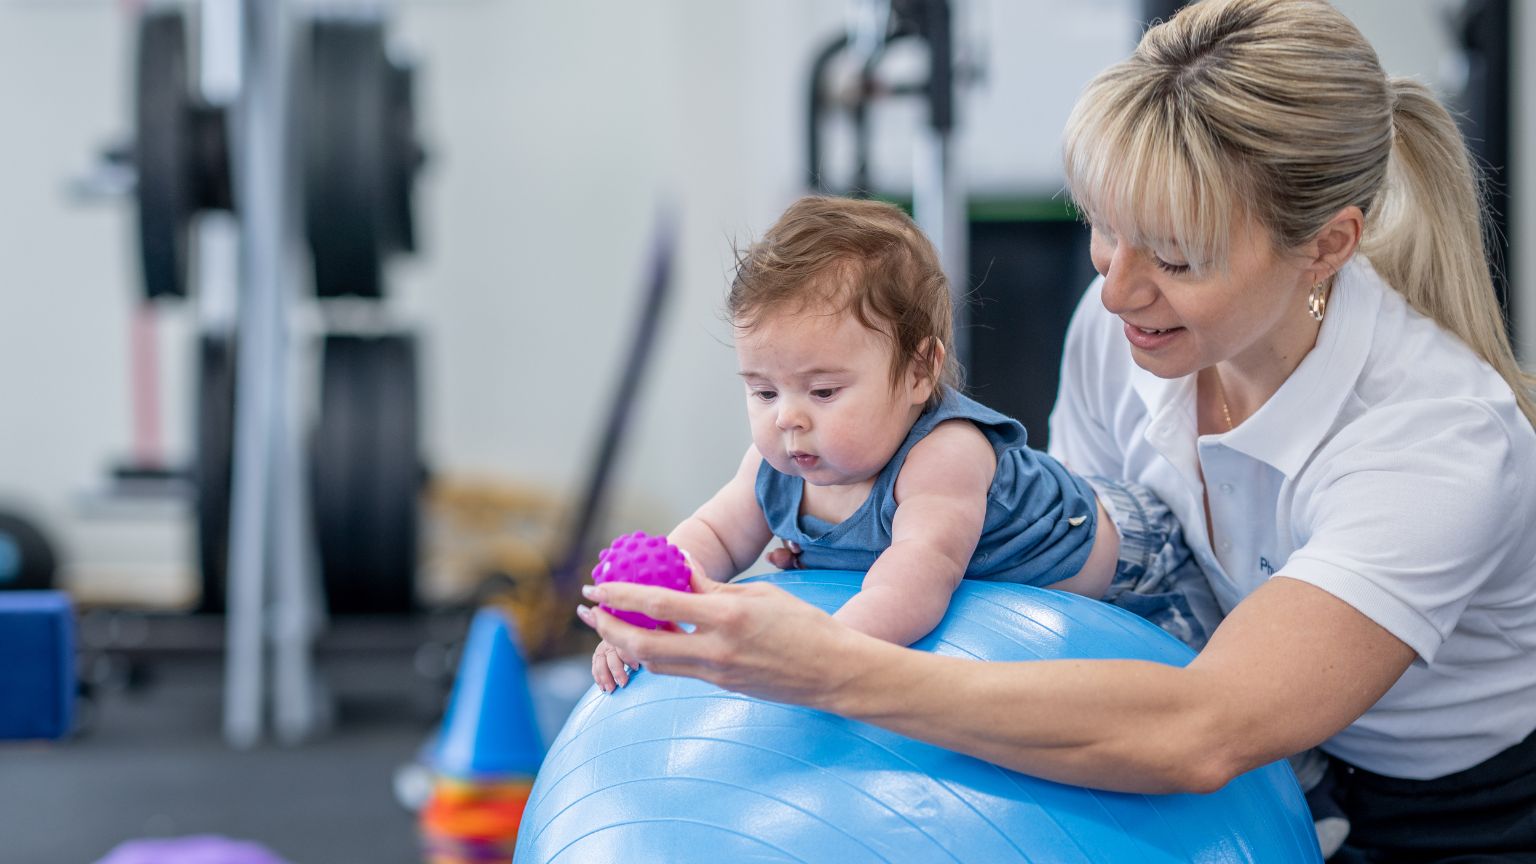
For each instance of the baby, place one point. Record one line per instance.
(865, 455)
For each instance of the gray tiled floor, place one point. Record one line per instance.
(153, 764)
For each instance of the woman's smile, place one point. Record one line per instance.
(1148, 339)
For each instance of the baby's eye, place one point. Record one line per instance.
(764, 395)
(824, 392)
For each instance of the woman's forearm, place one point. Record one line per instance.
(1120, 725)
(1289, 667)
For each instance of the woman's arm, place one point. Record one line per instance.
(1288, 668)
(941, 496)
(725, 535)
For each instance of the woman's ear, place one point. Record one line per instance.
(1333, 246)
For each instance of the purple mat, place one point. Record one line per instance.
(202, 849)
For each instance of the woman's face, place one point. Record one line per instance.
(1180, 318)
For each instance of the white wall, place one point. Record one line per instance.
(554, 130)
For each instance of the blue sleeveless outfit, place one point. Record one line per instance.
(1026, 537)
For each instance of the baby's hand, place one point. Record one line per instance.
(787, 556)
(609, 669)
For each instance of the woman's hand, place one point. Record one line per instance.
(752, 638)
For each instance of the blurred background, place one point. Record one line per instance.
(359, 317)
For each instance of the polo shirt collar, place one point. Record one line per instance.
(1287, 429)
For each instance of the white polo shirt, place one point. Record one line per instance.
(1393, 470)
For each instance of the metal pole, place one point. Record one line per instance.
(260, 158)
(938, 192)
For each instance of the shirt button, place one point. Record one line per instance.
(1227, 488)
(1225, 546)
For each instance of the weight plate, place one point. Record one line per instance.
(212, 470)
(163, 153)
(27, 560)
(367, 476)
(180, 153)
(346, 164)
(405, 159)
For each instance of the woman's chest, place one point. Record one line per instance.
(1236, 513)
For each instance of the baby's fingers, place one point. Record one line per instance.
(617, 667)
(601, 673)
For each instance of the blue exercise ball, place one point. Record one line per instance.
(677, 770)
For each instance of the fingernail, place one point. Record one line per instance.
(584, 614)
(591, 592)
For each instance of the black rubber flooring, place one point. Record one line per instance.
(152, 763)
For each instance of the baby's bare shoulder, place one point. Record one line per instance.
(955, 455)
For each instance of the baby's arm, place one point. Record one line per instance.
(721, 538)
(941, 504)
(728, 533)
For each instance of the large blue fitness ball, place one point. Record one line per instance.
(676, 770)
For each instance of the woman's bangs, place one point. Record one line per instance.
(1130, 168)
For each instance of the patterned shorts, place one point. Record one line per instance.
(1158, 577)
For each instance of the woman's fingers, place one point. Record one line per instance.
(645, 646)
(662, 604)
(752, 638)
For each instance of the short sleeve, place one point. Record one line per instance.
(1409, 516)
(1080, 424)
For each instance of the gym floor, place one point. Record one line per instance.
(150, 762)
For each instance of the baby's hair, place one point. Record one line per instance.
(863, 257)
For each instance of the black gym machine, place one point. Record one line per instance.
(339, 119)
(322, 136)
(1015, 268)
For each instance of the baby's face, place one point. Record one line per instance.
(819, 396)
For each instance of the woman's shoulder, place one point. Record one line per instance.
(1425, 407)
(1419, 377)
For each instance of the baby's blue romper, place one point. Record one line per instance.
(1029, 535)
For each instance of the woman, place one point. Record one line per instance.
(1296, 346)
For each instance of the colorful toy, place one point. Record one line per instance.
(643, 560)
(674, 769)
(487, 752)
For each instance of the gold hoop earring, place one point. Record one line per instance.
(1317, 301)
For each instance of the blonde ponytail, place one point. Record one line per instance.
(1281, 108)
(1425, 235)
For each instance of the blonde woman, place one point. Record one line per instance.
(1295, 345)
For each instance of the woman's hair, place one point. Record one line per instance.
(1279, 109)
(863, 257)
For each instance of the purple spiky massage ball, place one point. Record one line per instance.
(643, 560)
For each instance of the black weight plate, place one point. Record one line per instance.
(27, 561)
(212, 470)
(366, 469)
(404, 160)
(346, 155)
(163, 153)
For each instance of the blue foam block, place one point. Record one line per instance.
(673, 769)
(37, 672)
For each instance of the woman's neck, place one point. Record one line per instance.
(1246, 381)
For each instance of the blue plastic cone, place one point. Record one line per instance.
(490, 729)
